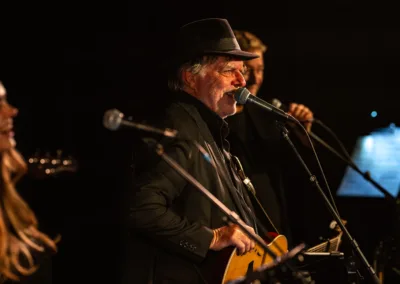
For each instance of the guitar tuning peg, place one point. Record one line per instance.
(333, 225)
(33, 159)
(68, 160)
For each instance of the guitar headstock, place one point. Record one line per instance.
(330, 244)
(46, 165)
(334, 226)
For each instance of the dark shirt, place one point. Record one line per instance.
(260, 152)
(219, 129)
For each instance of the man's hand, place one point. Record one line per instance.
(232, 236)
(302, 114)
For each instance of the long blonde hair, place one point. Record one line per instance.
(19, 233)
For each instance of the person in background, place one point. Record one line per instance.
(257, 142)
(22, 244)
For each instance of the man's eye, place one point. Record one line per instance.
(228, 72)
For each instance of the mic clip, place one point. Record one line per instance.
(244, 178)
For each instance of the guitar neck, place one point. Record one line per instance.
(328, 246)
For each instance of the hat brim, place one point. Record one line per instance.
(240, 54)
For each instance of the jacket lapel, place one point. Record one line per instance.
(223, 174)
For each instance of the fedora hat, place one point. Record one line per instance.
(212, 36)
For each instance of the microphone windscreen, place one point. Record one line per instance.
(241, 95)
(112, 119)
(277, 103)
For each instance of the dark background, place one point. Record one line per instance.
(339, 58)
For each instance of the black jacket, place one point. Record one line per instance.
(257, 142)
(170, 221)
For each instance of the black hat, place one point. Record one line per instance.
(211, 36)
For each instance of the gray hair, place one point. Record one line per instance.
(175, 83)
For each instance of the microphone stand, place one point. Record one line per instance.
(314, 181)
(231, 215)
(394, 202)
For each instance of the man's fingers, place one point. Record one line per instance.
(247, 244)
(300, 112)
(240, 246)
(248, 240)
(252, 245)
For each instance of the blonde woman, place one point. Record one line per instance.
(21, 242)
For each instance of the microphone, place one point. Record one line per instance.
(243, 96)
(278, 104)
(113, 119)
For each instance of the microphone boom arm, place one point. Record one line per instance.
(166, 132)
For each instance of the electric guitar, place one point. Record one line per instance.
(47, 165)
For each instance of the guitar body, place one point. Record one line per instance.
(225, 265)
(240, 265)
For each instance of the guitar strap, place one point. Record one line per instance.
(217, 152)
(250, 188)
(224, 170)
(241, 194)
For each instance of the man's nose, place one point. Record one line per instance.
(241, 80)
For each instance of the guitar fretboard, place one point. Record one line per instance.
(328, 246)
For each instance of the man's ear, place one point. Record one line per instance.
(189, 79)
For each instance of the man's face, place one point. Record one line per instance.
(255, 72)
(215, 84)
(7, 112)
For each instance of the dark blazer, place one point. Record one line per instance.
(256, 141)
(170, 221)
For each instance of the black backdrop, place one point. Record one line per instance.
(341, 59)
